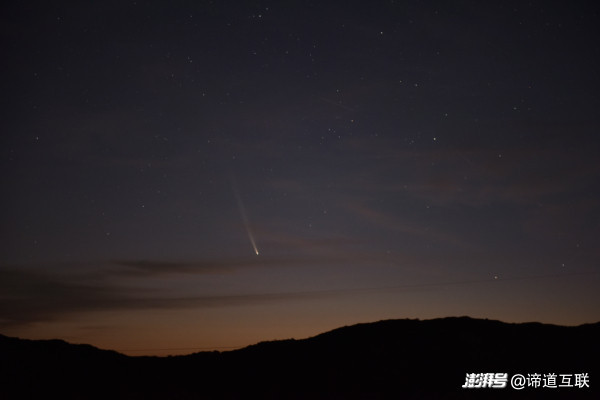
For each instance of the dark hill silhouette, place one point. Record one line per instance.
(399, 359)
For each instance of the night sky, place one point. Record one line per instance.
(184, 176)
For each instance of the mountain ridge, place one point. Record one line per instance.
(406, 358)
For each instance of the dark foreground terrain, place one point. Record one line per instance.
(396, 359)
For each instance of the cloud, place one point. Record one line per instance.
(147, 268)
(395, 223)
(474, 174)
(37, 293)
(30, 296)
(50, 292)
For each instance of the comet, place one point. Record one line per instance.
(242, 210)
